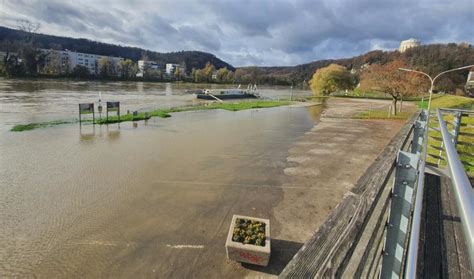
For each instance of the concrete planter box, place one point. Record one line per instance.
(248, 253)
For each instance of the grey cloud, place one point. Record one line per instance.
(206, 39)
(266, 32)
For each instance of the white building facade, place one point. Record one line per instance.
(148, 68)
(404, 45)
(67, 60)
(171, 68)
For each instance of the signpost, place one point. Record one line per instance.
(87, 108)
(113, 106)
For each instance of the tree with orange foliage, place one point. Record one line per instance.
(388, 79)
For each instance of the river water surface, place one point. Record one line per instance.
(26, 101)
(150, 199)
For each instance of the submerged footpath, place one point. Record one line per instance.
(321, 167)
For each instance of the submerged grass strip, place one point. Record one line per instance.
(163, 113)
(32, 126)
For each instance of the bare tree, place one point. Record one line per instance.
(33, 59)
(30, 28)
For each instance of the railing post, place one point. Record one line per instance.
(400, 213)
(457, 126)
(418, 135)
(412, 251)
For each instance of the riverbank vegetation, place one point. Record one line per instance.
(438, 101)
(431, 59)
(163, 113)
(465, 147)
(382, 114)
(389, 79)
(331, 79)
(448, 101)
(32, 126)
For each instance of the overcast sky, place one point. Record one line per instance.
(255, 32)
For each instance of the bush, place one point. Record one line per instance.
(249, 232)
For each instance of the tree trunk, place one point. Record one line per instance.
(401, 104)
(394, 104)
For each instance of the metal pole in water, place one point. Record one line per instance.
(291, 92)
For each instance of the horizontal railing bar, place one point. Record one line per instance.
(436, 147)
(435, 156)
(457, 110)
(465, 153)
(462, 188)
(467, 163)
(465, 143)
(436, 138)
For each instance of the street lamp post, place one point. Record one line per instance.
(434, 79)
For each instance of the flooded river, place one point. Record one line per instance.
(148, 200)
(26, 101)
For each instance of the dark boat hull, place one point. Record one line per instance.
(226, 96)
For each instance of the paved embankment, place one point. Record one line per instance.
(322, 166)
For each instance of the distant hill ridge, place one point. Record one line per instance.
(193, 59)
(433, 59)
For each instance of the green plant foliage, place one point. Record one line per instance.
(249, 232)
(32, 126)
(330, 79)
(465, 151)
(382, 114)
(448, 101)
(163, 113)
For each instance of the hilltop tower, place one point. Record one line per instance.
(404, 45)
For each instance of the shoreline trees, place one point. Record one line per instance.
(386, 78)
(330, 79)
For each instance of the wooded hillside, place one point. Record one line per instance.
(429, 58)
(11, 39)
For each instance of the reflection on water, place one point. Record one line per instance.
(112, 132)
(26, 101)
(315, 112)
(87, 133)
(115, 202)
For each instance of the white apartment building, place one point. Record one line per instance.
(170, 68)
(404, 45)
(147, 67)
(67, 60)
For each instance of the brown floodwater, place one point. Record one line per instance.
(38, 100)
(145, 199)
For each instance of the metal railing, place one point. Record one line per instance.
(387, 236)
(406, 263)
(460, 124)
(405, 206)
(412, 253)
(462, 187)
